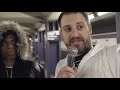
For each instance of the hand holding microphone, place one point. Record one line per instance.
(68, 71)
(72, 53)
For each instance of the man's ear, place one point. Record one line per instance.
(90, 27)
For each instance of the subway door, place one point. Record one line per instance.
(52, 48)
(53, 58)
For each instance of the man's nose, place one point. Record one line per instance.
(75, 32)
(10, 45)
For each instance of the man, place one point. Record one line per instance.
(98, 62)
(14, 53)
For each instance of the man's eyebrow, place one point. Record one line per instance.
(66, 26)
(80, 23)
(10, 39)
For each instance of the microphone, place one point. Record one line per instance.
(72, 53)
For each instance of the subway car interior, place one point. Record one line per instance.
(45, 42)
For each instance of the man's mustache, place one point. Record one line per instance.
(11, 50)
(76, 38)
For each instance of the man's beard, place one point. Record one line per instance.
(86, 48)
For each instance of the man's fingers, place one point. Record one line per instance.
(66, 72)
(68, 69)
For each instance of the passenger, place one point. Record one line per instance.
(14, 53)
(102, 61)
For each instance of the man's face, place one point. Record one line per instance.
(8, 48)
(76, 31)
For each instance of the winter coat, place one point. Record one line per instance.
(23, 66)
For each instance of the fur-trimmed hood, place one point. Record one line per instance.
(23, 48)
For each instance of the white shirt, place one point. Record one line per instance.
(102, 61)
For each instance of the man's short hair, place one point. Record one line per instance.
(64, 13)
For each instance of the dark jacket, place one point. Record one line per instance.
(24, 69)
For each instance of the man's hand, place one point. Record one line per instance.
(66, 72)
